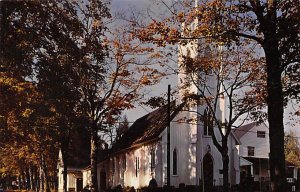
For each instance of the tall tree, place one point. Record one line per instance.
(272, 24)
(78, 70)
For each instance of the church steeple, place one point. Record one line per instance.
(188, 50)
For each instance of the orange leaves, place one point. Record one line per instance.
(145, 80)
(158, 32)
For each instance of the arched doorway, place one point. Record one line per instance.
(208, 172)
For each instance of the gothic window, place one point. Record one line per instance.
(137, 164)
(124, 162)
(175, 162)
(187, 60)
(188, 53)
(113, 166)
(152, 159)
(208, 122)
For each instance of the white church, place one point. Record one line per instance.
(141, 154)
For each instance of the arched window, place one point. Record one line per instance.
(124, 162)
(188, 53)
(152, 158)
(174, 162)
(208, 122)
(137, 165)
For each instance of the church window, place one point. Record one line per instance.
(113, 165)
(124, 162)
(188, 53)
(207, 122)
(152, 159)
(137, 164)
(174, 162)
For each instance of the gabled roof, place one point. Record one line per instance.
(146, 128)
(241, 131)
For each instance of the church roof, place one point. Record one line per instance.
(146, 128)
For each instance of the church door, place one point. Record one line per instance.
(208, 172)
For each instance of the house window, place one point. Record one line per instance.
(152, 159)
(250, 151)
(174, 162)
(290, 172)
(261, 134)
(207, 122)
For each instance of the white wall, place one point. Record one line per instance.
(86, 177)
(117, 174)
(261, 145)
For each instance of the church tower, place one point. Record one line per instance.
(205, 159)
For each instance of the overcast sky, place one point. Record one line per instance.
(127, 6)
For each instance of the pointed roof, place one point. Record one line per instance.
(241, 131)
(146, 128)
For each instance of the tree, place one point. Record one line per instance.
(223, 81)
(116, 131)
(292, 148)
(28, 141)
(272, 24)
(35, 35)
(79, 72)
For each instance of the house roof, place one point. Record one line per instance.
(146, 128)
(241, 131)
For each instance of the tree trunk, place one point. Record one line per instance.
(45, 174)
(41, 180)
(225, 160)
(28, 179)
(275, 102)
(37, 179)
(19, 182)
(94, 148)
(275, 118)
(31, 185)
(65, 157)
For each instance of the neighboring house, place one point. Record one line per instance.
(254, 152)
(78, 159)
(74, 176)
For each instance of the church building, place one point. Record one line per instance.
(141, 153)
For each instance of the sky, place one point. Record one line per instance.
(126, 6)
(158, 90)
